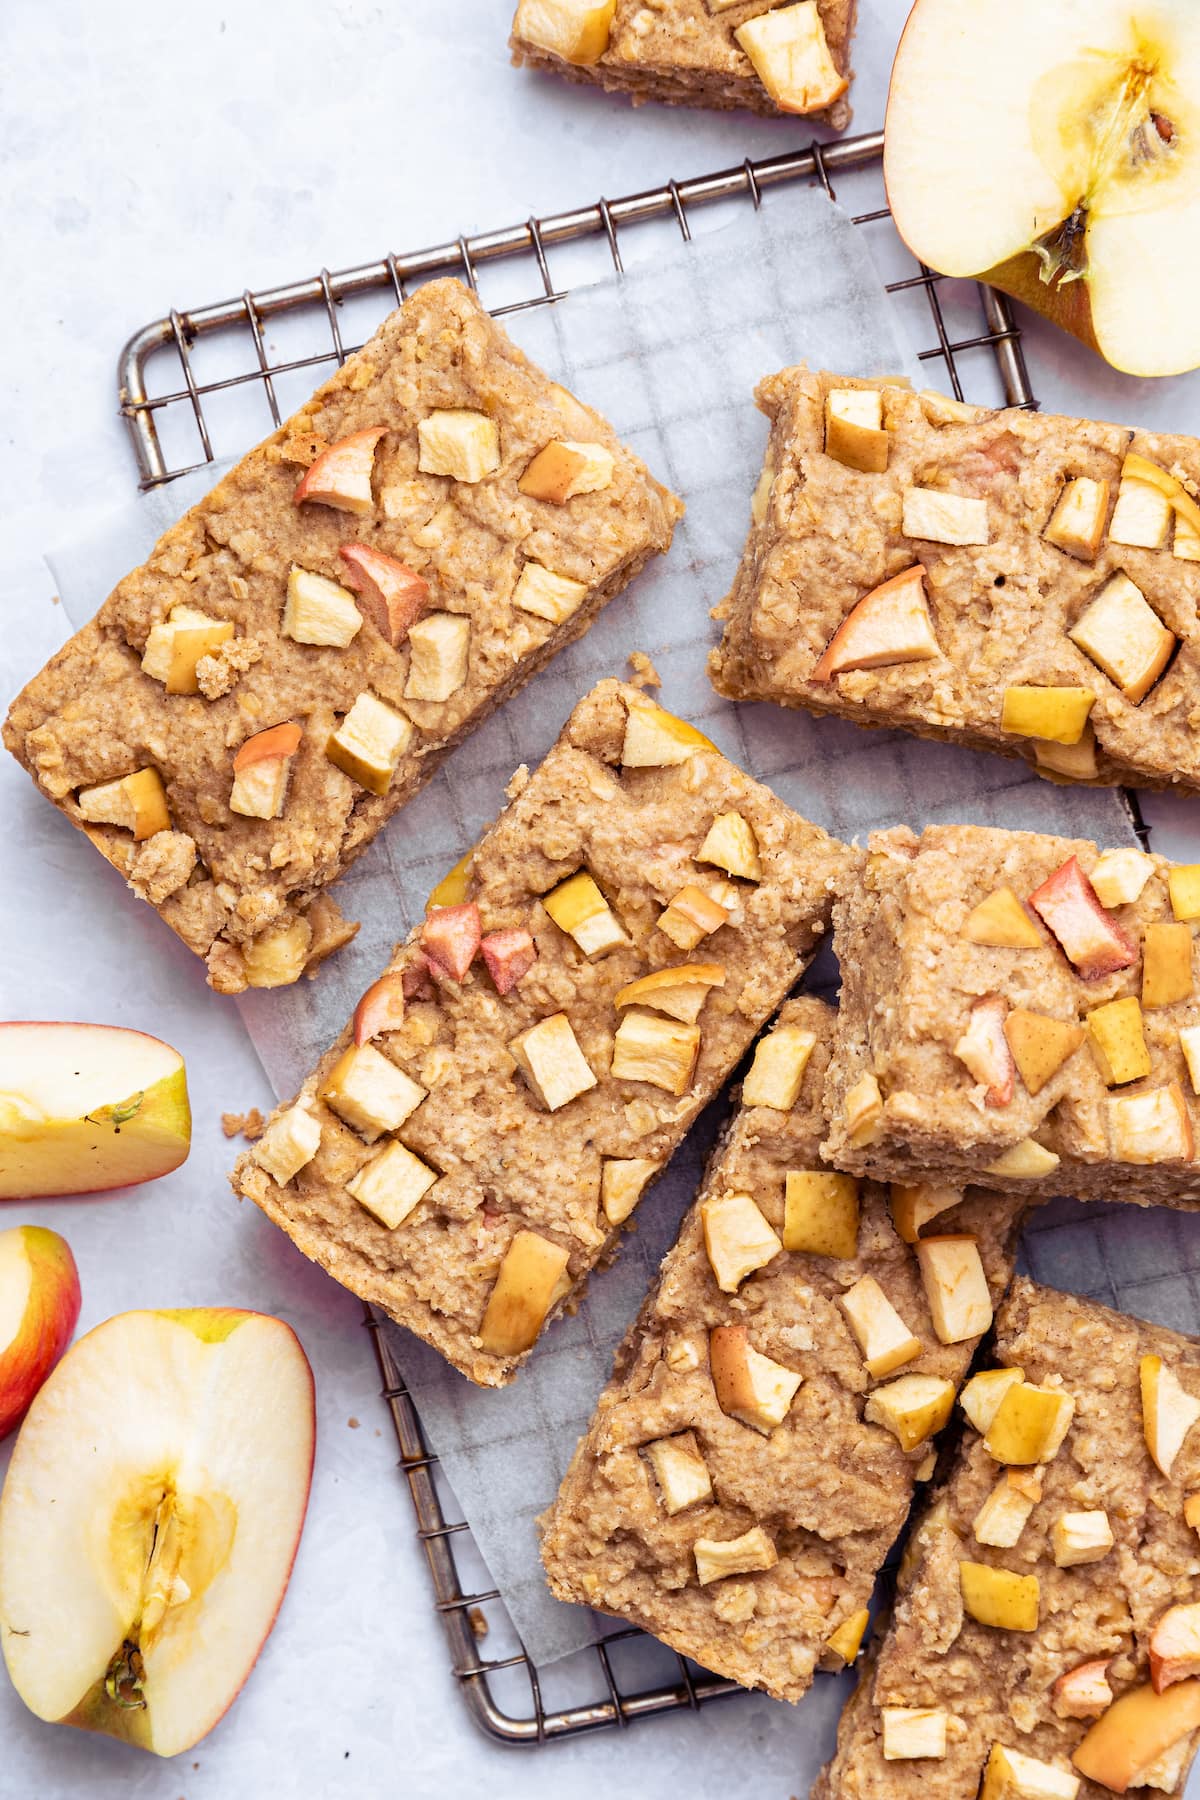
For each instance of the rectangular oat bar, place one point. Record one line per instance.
(754, 1456)
(1020, 1009)
(298, 653)
(1003, 579)
(1046, 1632)
(758, 54)
(583, 984)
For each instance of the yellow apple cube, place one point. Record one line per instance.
(136, 803)
(288, 1144)
(656, 739)
(790, 54)
(863, 1110)
(579, 908)
(370, 1093)
(998, 1598)
(854, 433)
(565, 468)
(777, 1072)
(1125, 638)
(622, 1180)
(548, 596)
(911, 1732)
(912, 1408)
(576, 30)
(1183, 885)
(1074, 762)
(1002, 921)
(460, 443)
(913, 1204)
(392, 1184)
(730, 844)
(438, 650)
(881, 1334)
(745, 1555)
(941, 518)
(820, 1213)
(1187, 541)
(549, 1057)
(1029, 1424)
(277, 957)
(1077, 522)
(369, 742)
(174, 647)
(956, 1288)
(1012, 1775)
(1081, 1537)
(749, 1386)
(680, 1471)
(532, 1278)
(1142, 516)
(737, 1239)
(1005, 1513)
(1120, 875)
(691, 916)
(981, 1395)
(1040, 1045)
(318, 611)
(1166, 963)
(1151, 1127)
(1118, 1042)
(660, 1051)
(1057, 714)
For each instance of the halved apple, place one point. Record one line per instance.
(139, 1581)
(39, 1308)
(86, 1107)
(1079, 192)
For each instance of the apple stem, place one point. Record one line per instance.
(119, 1112)
(1063, 251)
(124, 1676)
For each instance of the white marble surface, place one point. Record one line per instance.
(153, 155)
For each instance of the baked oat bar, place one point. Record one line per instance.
(1045, 1641)
(298, 653)
(770, 57)
(1020, 1009)
(1007, 580)
(582, 985)
(753, 1458)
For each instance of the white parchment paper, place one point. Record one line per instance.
(670, 352)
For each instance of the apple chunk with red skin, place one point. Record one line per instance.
(390, 593)
(39, 1308)
(86, 1107)
(1090, 938)
(341, 475)
(380, 1009)
(140, 1580)
(888, 625)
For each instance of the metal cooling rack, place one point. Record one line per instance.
(192, 388)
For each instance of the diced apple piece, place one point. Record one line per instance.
(1166, 962)
(1135, 1732)
(940, 518)
(1183, 885)
(730, 844)
(656, 739)
(549, 1057)
(1168, 1412)
(981, 1396)
(160, 639)
(680, 1471)
(846, 1641)
(390, 594)
(438, 647)
(1139, 469)
(1083, 1693)
(854, 433)
(1142, 516)
(691, 916)
(1001, 921)
(1151, 1127)
(820, 1213)
(718, 1557)
(579, 908)
(1191, 1511)
(369, 742)
(998, 1597)
(1077, 522)
(546, 595)
(509, 956)
(790, 54)
(955, 1287)
(392, 1184)
(450, 937)
(1040, 1045)
(380, 1009)
(983, 1049)
(1005, 1513)
(1012, 1775)
(749, 1387)
(1074, 762)
(268, 746)
(564, 469)
(1057, 714)
(1029, 1424)
(650, 1048)
(341, 475)
(622, 1181)
(1189, 1043)
(1186, 547)
(260, 772)
(1089, 937)
(458, 442)
(136, 803)
(1168, 1768)
(862, 1108)
(370, 1093)
(576, 30)
(1120, 875)
(288, 1144)
(911, 1732)
(912, 1408)
(737, 1239)
(1175, 1647)
(889, 625)
(454, 886)
(679, 991)
(1125, 638)
(1026, 1161)
(319, 611)
(1081, 1537)
(881, 1334)
(277, 957)
(533, 1276)
(913, 1204)
(1118, 1042)
(175, 646)
(777, 1072)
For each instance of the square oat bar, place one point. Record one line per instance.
(1046, 1632)
(583, 984)
(298, 653)
(754, 1456)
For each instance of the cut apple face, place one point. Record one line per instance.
(39, 1309)
(86, 1107)
(889, 625)
(1080, 195)
(139, 1583)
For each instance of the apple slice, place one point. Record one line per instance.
(380, 1009)
(1134, 1733)
(1089, 937)
(730, 844)
(1117, 1037)
(1168, 1412)
(341, 475)
(390, 594)
(1166, 962)
(1050, 715)
(984, 1049)
(1175, 1647)
(1001, 921)
(1083, 1693)
(889, 625)
(563, 469)
(1077, 192)
(532, 1278)
(136, 803)
(86, 1107)
(39, 1309)
(138, 1583)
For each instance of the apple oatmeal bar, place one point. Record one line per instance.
(1002, 579)
(753, 1458)
(770, 57)
(1020, 1009)
(287, 669)
(583, 983)
(1045, 1640)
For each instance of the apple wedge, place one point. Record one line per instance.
(39, 1309)
(150, 1520)
(889, 625)
(1058, 160)
(87, 1107)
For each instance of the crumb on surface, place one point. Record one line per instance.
(478, 1621)
(251, 1124)
(352, 1422)
(645, 675)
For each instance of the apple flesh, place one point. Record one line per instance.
(1057, 159)
(86, 1107)
(140, 1580)
(39, 1308)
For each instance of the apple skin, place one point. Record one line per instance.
(47, 1323)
